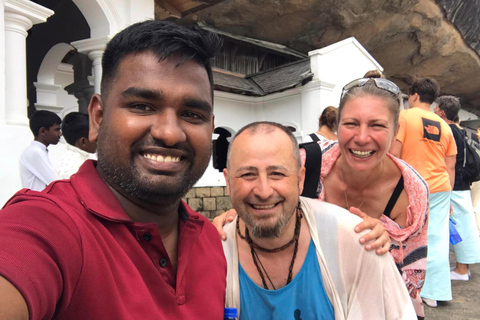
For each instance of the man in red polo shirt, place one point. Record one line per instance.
(116, 241)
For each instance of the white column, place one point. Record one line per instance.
(16, 68)
(94, 49)
(47, 93)
(20, 16)
(2, 66)
(96, 57)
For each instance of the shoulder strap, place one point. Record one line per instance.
(313, 164)
(393, 199)
(314, 137)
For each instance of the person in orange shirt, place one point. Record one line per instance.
(426, 142)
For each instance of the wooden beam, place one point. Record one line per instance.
(172, 11)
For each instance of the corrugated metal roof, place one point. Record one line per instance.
(258, 43)
(288, 76)
(231, 83)
(261, 84)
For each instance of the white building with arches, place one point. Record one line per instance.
(50, 59)
(19, 20)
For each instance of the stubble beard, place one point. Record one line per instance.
(128, 180)
(127, 183)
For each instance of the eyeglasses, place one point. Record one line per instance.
(379, 82)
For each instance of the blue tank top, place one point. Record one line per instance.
(302, 299)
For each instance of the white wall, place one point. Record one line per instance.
(13, 140)
(465, 115)
(233, 111)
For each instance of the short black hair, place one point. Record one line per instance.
(164, 39)
(450, 105)
(43, 119)
(75, 126)
(426, 88)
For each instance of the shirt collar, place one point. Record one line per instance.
(39, 144)
(84, 154)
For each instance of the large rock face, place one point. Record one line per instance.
(409, 38)
(464, 15)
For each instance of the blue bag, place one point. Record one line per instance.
(454, 235)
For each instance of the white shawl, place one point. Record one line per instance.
(359, 284)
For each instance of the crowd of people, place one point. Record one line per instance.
(115, 241)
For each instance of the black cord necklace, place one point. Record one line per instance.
(256, 259)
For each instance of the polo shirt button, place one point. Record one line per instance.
(163, 262)
(147, 236)
(181, 299)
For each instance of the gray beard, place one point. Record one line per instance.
(267, 232)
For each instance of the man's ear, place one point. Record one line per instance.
(225, 175)
(95, 113)
(416, 97)
(41, 131)
(301, 179)
(80, 143)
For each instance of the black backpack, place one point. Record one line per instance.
(471, 162)
(313, 165)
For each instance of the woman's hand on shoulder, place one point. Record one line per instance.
(377, 239)
(223, 219)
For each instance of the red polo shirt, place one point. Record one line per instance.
(74, 253)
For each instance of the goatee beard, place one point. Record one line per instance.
(267, 232)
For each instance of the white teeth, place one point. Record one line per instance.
(362, 154)
(161, 158)
(263, 207)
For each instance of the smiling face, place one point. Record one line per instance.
(153, 129)
(264, 181)
(366, 131)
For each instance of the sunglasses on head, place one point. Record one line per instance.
(379, 82)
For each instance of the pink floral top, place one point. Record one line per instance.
(409, 244)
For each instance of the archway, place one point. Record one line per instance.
(52, 77)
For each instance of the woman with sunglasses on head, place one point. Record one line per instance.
(357, 171)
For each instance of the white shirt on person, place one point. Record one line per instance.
(36, 170)
(70, 162)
